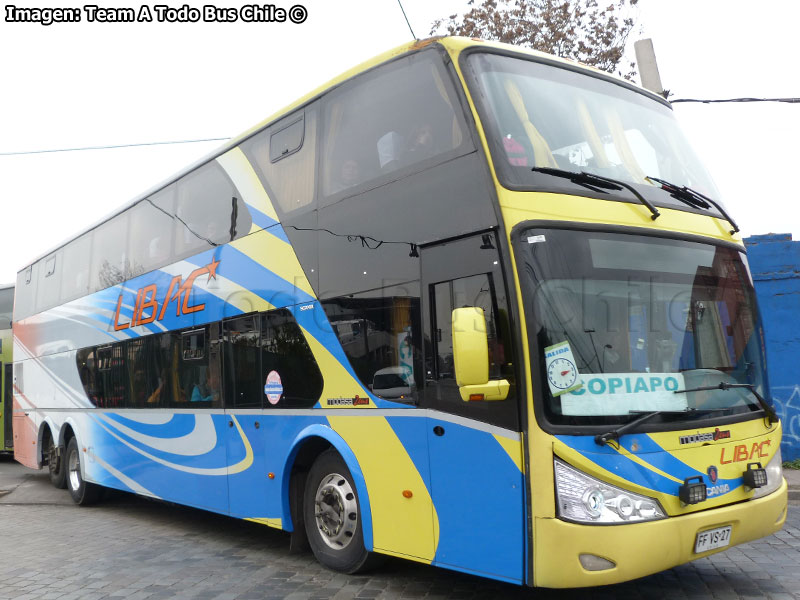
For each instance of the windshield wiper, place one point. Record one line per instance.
(603, 438)
(773, 416)
(598, 183)
(694, 199)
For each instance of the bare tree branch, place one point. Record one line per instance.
(581, 30)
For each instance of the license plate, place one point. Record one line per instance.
(712, 539)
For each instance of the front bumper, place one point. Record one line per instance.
(640, 549)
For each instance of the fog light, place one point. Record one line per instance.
(591, 562)
(754, 478)
(692, 493)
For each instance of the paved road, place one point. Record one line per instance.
(132, 548)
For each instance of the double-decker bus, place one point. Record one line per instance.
(466, 304)
(6, 378)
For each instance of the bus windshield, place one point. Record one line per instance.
(625, 323)
(544, 116)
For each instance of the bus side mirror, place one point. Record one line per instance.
(471, 357)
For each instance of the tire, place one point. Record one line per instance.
(335, 535)
(82, 492)
(55, 465)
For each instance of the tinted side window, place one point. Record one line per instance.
(209, 211)
(243, 382)
(284, 142)
(290, 180)
(458, 274)
(109, 253)
(405, 115)
(198, 376)
(112, 377)
(48, 289)
(75, 278)
(380, 332)
(290, 374)
(24, 303)
(87, 370)
(152, 227)
(149, 375)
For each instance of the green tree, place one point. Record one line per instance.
(581, 30)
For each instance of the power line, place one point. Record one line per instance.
(114, 146)
(787, 100)
(406, 17)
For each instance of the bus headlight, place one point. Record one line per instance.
(774, 471)
(588, 500)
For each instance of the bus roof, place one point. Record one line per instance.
(453, 44)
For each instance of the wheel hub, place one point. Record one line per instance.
(74, 471)
(336, 511)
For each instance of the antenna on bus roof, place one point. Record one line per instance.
(406, 17)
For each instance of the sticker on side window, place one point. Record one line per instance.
(562, 372)
(273, 387)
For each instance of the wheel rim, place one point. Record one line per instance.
(74, 467)
(336, 511)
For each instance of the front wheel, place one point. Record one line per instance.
(82, 492)
(333, 516)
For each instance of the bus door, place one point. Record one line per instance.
(476, 471)
(8, 405)
(243, 392)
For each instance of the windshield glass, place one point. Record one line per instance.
(622, 322)
(539, 115)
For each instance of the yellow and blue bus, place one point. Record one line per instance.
(466, 304)
(6, 378)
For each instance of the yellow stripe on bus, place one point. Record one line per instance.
(246, 180)
(338, 382)
(513, 448)
(275, 256)
(401, 526)
(276, 523)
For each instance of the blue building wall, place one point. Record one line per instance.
(775, 264)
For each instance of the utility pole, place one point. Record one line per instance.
(648, 68)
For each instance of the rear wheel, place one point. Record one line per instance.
(333, 516)
(55, 465)
(82, 492)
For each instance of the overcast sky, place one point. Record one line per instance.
(91, 84)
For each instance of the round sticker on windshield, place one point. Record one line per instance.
(562, 374)
(273, 387)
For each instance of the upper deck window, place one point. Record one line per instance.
(109, 253)
(401, 118)
(539, 115)
(285, 158)
(209, 211)
(152, 231)
(286, 141)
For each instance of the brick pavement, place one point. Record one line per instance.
(135, 549)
